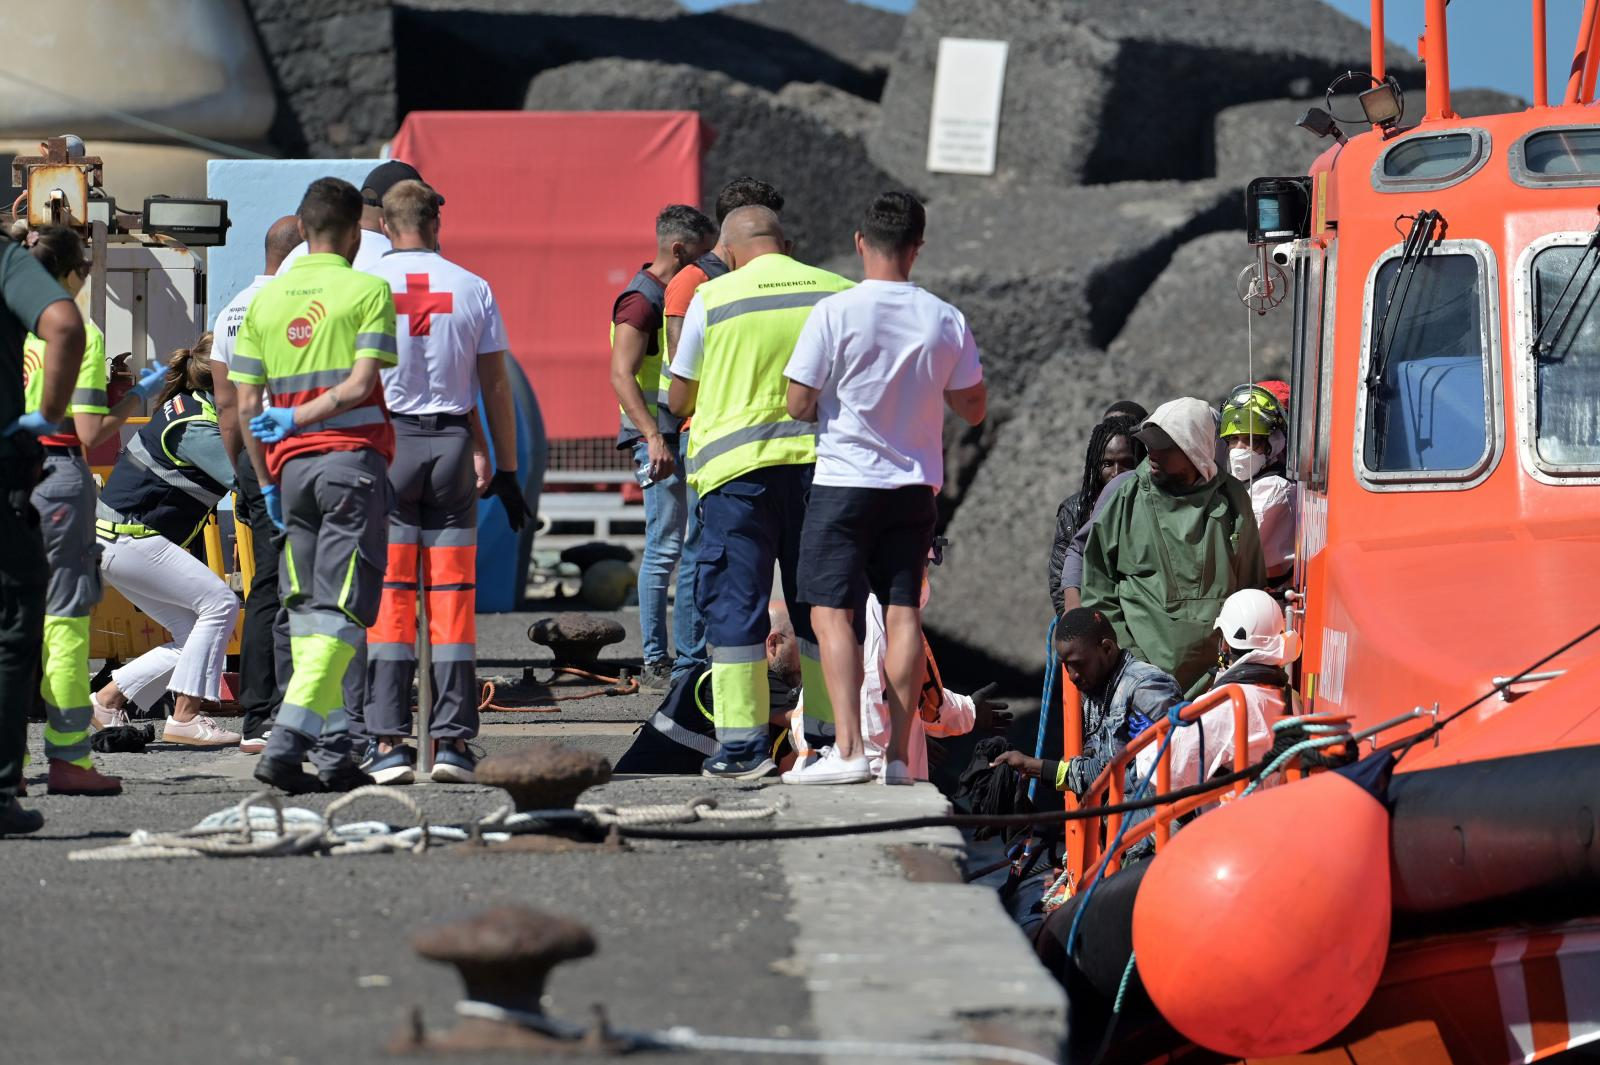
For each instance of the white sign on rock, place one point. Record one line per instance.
(967, 86)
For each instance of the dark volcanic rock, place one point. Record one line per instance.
(1261, 139)
(1190, 335)
(1099, 92)
(481, 54)
(842, 110)
(823, 171)
(1039, 270)
(861, 35)
(333, 68)
(1187, 337)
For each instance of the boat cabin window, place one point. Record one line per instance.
(1423, 162)
(1427, 406)
(1561, 156)
(1566, 369)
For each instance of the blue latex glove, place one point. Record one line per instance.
(273, 424)
(32, 422)
(150, 382)
(274, 502)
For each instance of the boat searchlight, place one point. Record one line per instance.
(1383, 104)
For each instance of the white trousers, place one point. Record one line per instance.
(182, 594)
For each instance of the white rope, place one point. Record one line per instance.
(251, 831)
(701, 809)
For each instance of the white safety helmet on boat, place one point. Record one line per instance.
(1251, 620)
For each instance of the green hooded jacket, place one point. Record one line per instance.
(1158, 566)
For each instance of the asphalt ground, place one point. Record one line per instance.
(308, 959)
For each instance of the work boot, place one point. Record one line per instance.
(17, 820)
(286, 776)
(346, 776)
(656, 678)
(68, 779)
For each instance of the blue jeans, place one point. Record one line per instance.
(671, 534)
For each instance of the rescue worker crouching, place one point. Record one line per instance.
(165, 485)
(65, 500)
(751, 465)
(316, 338)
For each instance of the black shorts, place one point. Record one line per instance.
(856, 539)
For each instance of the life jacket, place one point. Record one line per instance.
(153, 490)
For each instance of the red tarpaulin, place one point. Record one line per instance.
(557, 210)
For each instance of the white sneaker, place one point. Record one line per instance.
(897, 772)
(832, 769)
(105, 716)
(255, 744)
(199, 731)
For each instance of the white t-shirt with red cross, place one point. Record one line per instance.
(445, 317)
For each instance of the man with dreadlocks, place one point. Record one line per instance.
(1113, 450)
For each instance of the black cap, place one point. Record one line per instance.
(385, 176)
(1154, 437)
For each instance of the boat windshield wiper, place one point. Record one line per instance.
(1544, 350)
(1411, 253)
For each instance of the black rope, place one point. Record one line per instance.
(1051, 817)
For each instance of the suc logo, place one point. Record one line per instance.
(300, 330)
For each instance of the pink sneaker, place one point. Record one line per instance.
(105, 716)
(199, 731)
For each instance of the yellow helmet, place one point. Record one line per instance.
(1251, 411)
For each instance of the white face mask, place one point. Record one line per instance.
(1245, 463)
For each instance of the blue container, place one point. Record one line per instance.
(503, 555)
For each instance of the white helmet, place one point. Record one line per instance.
(1250, 620)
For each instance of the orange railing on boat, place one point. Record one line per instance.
(1082, 845)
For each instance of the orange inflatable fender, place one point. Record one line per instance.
(1261, 929)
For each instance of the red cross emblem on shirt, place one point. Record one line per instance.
(419, 303)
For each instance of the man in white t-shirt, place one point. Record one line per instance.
(260, 686)
(450, 339)
(874, 368)
(375, 242)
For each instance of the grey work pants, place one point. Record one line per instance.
(434, 531)
(336, 506)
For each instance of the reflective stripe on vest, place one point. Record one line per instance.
(753, 318)
(151, 487)
(648, 375)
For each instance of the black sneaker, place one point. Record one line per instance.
(656, 677)
(346, 776)
(285, 776)
(18, 820)
(725, 766)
